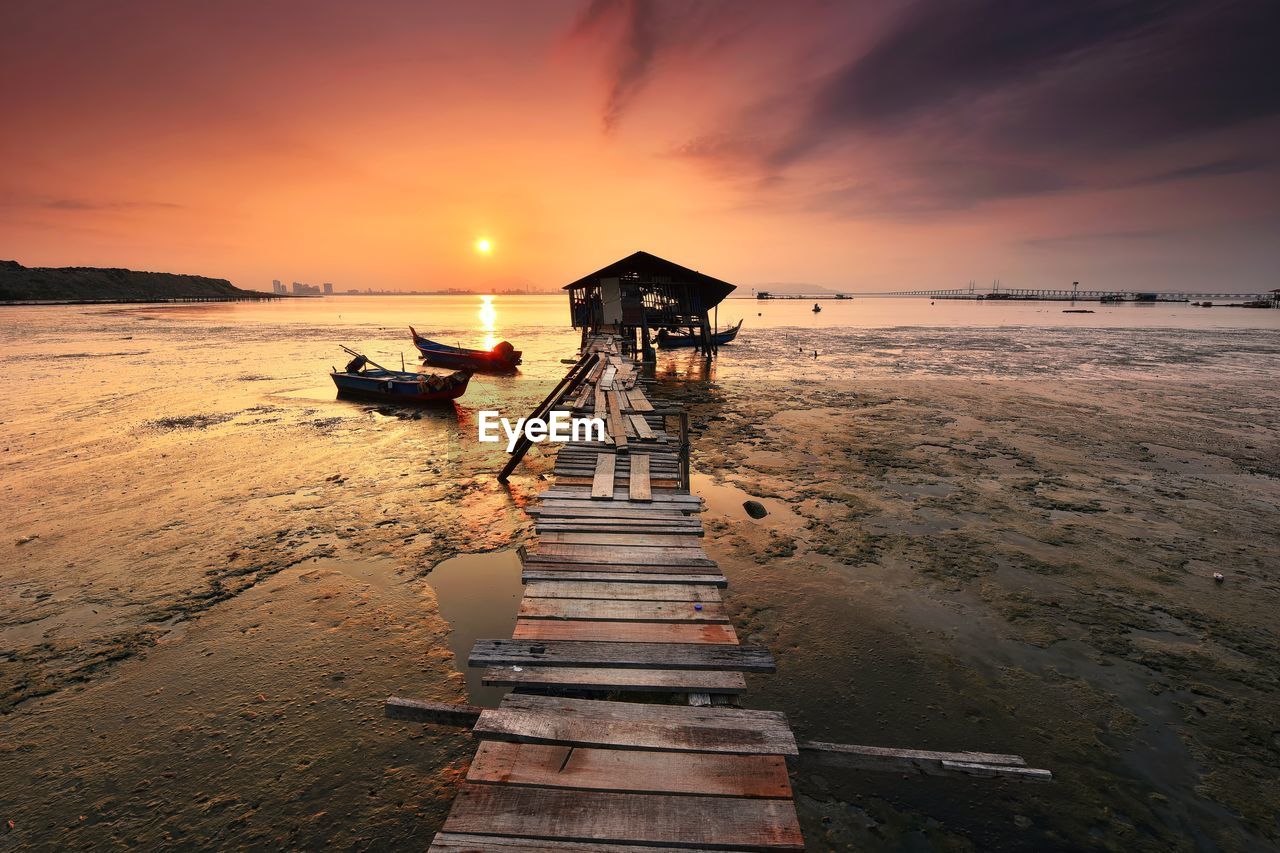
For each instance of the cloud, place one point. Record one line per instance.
(944, 51)
(84, 204)
(635, 43)
(1131, 236)
(636, 36)
(1210, 169)
(971, 101)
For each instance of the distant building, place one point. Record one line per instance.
(277, 287)
(303, 289)
(328, 287)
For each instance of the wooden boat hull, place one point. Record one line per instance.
(719, 339)
(460, 358)
(395, 387)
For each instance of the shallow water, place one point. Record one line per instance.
(479, 596)
(193, 521)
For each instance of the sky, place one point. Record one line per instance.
(864, 146)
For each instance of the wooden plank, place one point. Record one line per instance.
(637, 522)
(570, 454)
(605, 555)
(604, 524)
(623, 632)
(641, 427)
(620, 469)
(930, 762)
(583, 447)
(667, 483)
(613, 510)
(622, 590)
(458, 842)
(639, 402)
(632, 725)
(996, 771)
(552, 562)
(602, 486)
(582, 493)
(533, 564)
(531, 575)
(617, 426)
(611, 610)
(633, 578)
(575, 469)
(635, 771)
(605, 679)
(636, 540)
(616, 508)
(639, 488)
(399, 708)
(714, 822)
(570, 526)
(620, 655)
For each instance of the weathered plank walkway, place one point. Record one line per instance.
(618, 735)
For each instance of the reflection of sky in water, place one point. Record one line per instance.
(488, 322)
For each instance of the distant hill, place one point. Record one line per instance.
(92, 284)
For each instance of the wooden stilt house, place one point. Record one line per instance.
(642, 294)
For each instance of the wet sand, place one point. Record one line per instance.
(212, 572)
(210, 578)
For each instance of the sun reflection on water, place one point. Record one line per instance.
(488, 321)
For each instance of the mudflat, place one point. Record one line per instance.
(1022, 566)
(212, 572)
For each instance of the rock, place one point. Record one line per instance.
(755, 509)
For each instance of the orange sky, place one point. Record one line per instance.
(370, 145)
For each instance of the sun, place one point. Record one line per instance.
(484, 245)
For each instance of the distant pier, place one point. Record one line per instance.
(247, 297)
(1253, 300)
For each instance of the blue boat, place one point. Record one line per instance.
(666, 340)
(371, 381)
(501, 359)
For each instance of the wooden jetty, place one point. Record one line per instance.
(1062, 294)
(621, 733)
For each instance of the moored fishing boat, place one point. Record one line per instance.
(503, 357)
(370, 380)
(666, 340)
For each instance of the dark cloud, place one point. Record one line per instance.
(1209, 169)
(637, 35)
(1203, 70)
(930, 187)
(971, 101)
(1057, 80)
(1131, 236)
(635, 44)
(943, 50)
(72, 204)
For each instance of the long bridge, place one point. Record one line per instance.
(1071, 294)
(622, 731)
